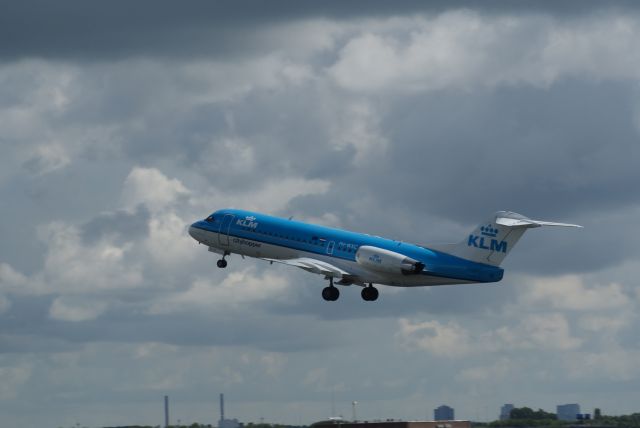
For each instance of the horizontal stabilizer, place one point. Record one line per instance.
(521, 221)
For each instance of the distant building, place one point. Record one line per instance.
(567, 412)
(228, 423)
(596, 413)
(223, 422)
(392, 424)
(505, 411)
(443, 413)
(166, 411)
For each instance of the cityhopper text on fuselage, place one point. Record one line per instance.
(351, 258)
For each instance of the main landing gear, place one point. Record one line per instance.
(222, 263)
(369, 293)
(330, 293)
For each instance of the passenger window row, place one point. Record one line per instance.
(313, 241)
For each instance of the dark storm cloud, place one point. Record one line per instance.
(94, 30)
(540, 152)
(29, 318)
(23, 325)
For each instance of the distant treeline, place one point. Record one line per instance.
(526, 417)
(197, 425)
(520, 418)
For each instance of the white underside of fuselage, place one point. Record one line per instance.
(222, 243)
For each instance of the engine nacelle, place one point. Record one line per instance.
(382, 260)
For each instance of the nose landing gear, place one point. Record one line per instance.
(222, 263)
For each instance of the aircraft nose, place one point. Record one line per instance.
(193, 231)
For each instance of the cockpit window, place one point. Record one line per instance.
(209, 219)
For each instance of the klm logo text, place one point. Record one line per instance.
(247, 223)
(481, 242)
(375, 259)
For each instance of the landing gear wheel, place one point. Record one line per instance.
(369, 293)
(222, 263)
(330, 294)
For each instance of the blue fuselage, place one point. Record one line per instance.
(263, 236)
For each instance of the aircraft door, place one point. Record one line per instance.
(223, 232)
(330, 246)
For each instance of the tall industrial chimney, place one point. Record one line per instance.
(221, 411)
(166, 411)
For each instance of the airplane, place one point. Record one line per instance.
(351, 258)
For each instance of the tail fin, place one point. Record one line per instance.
(492, 240)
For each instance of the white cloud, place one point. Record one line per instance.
(358, 126)
(570, 292)
(302, 40)
(150, 349)
(273, 363)
(541, 331)
(73, 266)
(326, 219)
(151, 187)
(297, 74)
(12, 378)
(5, 304)
(47, 158)
(228, 154)
(76, 309)
(497, 370)
(602, 48)
(10, 279)
(239, 288)
(168, 242)
(464, 49)
(445, 340)
(316, 377)
(207, 81)
(268, 196)
(606, 324)
(611, 364)
(367, 62)
(274, 195)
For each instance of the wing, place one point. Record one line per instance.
(321, 268)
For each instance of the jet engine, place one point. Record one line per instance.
(382, 260)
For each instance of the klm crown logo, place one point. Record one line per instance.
(488, 231)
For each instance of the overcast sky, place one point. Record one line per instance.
(120, 124)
